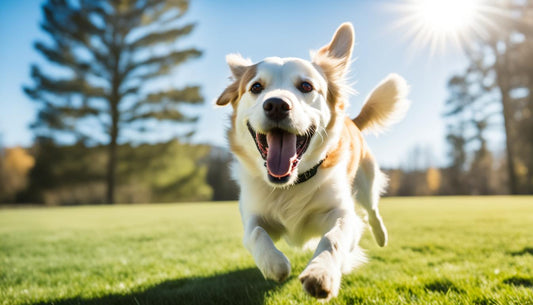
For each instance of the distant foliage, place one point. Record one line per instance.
(219, 175)
(168, 172)
(420, 182)
(74, 174)
(420, 177)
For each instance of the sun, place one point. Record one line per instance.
(447, 16)
(440, 24)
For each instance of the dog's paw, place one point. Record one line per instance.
(321, 281)
(275, 266)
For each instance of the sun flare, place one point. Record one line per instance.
(440, 24)
(447, 16)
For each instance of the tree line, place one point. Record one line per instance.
(52, 174)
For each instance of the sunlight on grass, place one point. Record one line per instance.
(448, 250)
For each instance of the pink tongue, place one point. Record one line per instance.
(281, 153)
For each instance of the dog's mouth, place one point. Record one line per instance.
(281, 150)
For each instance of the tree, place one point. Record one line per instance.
(15, 164)
(219, 175)
(3, 176)
(110, 54)
(433, 180)
(455, 175)
(499, 80)
(418, 176)
(481, 168)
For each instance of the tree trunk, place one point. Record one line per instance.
(529, 137)
(112, 165)
(507, 118)
(502, 78)
(114, 101)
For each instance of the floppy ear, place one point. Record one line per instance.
(340, 47)
(237, 64)
(230, 94)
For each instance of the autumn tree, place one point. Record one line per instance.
(110, 55)
(15, 163)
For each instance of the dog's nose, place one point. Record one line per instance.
(276, 109)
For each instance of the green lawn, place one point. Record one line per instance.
(450, 250)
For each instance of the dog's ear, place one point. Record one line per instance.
(230, 94)
(237, 64)
(334, 60)
(340, 47)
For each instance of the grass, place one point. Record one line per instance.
(449, 250)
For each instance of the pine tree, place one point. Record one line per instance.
(109, 54)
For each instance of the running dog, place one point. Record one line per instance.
(301, 160)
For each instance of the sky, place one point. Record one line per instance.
(259, 29)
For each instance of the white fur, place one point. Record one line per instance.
(323, 206)
(236, 63)
(309, 109)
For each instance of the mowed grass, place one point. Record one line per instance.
(449, 250)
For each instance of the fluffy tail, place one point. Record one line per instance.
(386, 105)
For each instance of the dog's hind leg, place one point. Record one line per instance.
(369, 184)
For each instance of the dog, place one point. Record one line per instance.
(300, 159)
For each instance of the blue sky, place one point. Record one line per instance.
(259, 29)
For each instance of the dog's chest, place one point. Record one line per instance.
(297, 212)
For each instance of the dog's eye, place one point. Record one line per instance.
(305, 87)
(256, 88)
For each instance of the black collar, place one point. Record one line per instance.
(308, 174)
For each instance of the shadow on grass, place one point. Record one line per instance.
(525, 251)
(245, 286)
(519, 281)
(442, 286)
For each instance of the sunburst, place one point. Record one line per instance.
(443, 24)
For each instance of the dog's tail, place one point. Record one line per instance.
(386, 105)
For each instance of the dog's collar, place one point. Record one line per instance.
(309, 173)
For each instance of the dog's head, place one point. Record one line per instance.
(286, 110)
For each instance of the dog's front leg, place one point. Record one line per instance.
(272, 263)
(336, 250)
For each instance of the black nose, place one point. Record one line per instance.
(276, 109)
